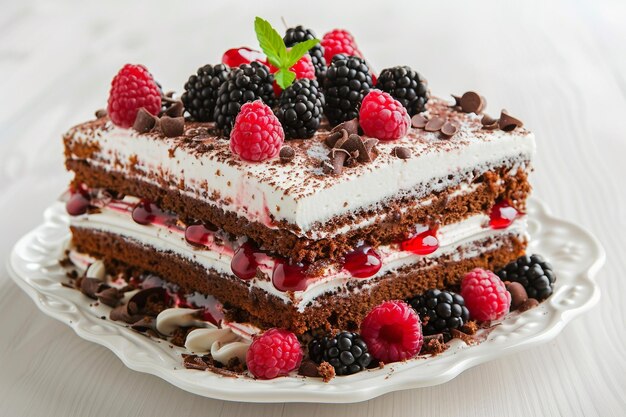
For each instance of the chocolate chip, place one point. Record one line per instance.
(308, 368)
(286, 154)
(434, 124)
(172, 126)
(472, 102)
(91, 286)
(144, 121)
(449, 129)
(518, 294)
(350, 126)
(401, 152)
(100, 113)
(528, 304)
(109, 296)
(175, 110)
(489, 122)
(334, 137)
(508, 122)
(418, 121)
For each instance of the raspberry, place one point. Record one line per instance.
(303, 68)
(243, 55)
(392, 331)
(339, 41)
(383, 117)
(257, 134)
(131, 89)
(275, 353)
(485, 295)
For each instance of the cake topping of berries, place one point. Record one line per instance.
(300, 109)
(406, 86)
(339, 41)
(201, 90)
(257, 134)
(346, 352)
(392, 331)
(301, 34)
(247, 83)
(383, 117)
(533, 272)
(131, 89)
(347, 81)
(440, 311)
(303, 69)
(485, 295)
(274, 353)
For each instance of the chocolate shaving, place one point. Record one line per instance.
(449, 129)
(472, 102)
(457, 334)
(144, 121)
(176, 109)
(308, 368)
(91, 286)
(144, 324)
(327, 167)
(200, 363)
(418, 121)
(370, 150)
(350, 126)
(334, 137)
(145, 301)
(172, 126)
(508, 122)
(109, 296)
(100, 113)
(338, 156)
(120, 313)
(489, 122)
(434, 124)
(286, 154)
(401, 152)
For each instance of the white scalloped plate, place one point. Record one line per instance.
(575, 253)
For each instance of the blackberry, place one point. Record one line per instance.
(347, 81)
(300, 109)
(247, 83)
(300, 34)
(445, 311)
(346, 352)
(533, 272)
(201, 91)
(406, 86)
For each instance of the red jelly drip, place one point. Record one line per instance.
(245, 261)
(363, 262)
(237, 56)
(290, 277)
(198, 235)
(146, 212)
(502, 215)
(211, 308)
(77, 204)
(423, 243)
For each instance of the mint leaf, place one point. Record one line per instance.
(284, 77)
(270, 41)
(298, 50)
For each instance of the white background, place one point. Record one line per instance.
(560, 66)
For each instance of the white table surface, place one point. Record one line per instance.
(558, 65)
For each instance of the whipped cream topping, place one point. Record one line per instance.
(298, 193)
(455, 240)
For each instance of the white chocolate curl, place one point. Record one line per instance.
(223, 344)
(96, 270)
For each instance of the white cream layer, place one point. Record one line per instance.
(455, 240)
(255, 192)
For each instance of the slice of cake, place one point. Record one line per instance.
(287, 219)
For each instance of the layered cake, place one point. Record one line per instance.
(294, 191)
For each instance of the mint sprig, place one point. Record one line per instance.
(276, 51)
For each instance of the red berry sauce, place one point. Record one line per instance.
(502, 215)
(198, 235)
(211, 308)
(424, 243)
(237, 56)
(363, 262)
(246, 260)
(290, 277)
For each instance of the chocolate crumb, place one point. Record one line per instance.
(401, 152)
(449, 129)
(433, 345)
(100, 113)
(434, 124)
(308, 368)
(528, 304)
(470, 327)
(418, 121)
(508, 122)
(286, 154)
(489, 122)
(144, 121)
(518, 294)
(326, 371)
(469, 340)
(172, 126)
(472, 102)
